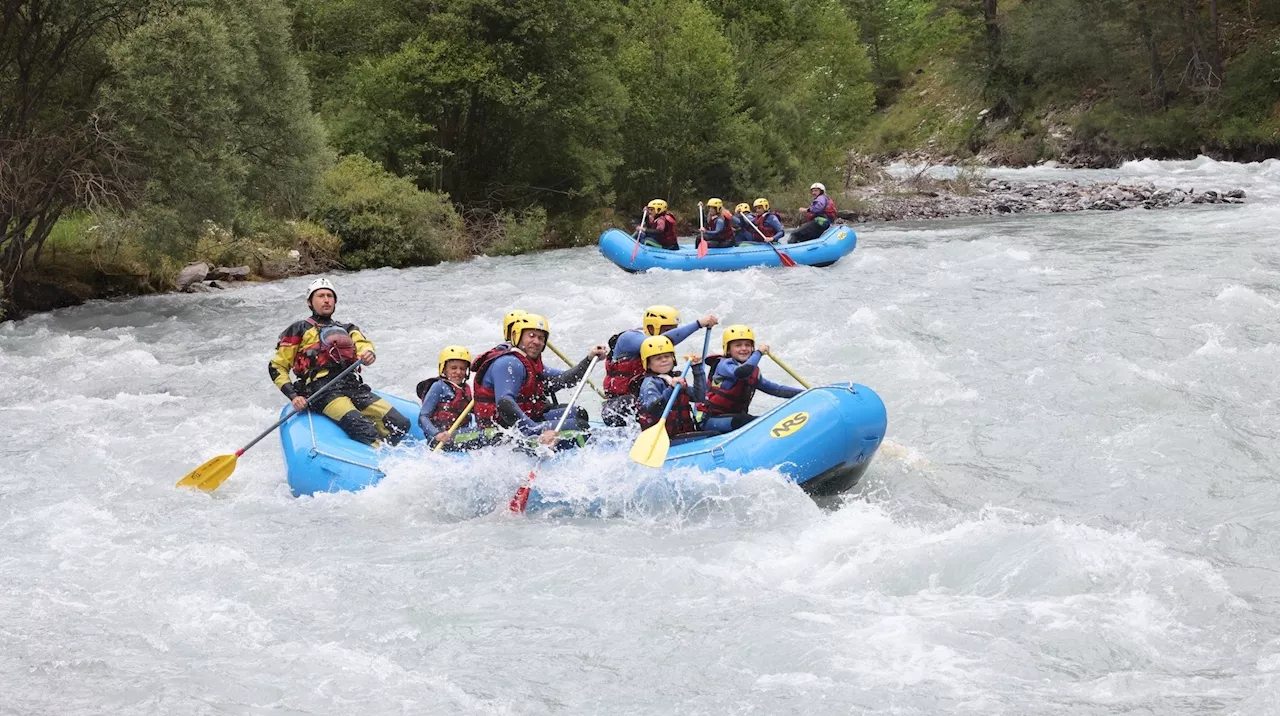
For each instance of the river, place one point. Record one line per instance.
(1075, 511)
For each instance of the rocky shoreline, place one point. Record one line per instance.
(885, 198)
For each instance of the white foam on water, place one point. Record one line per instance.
(1071, 512)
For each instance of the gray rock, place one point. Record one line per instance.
(190, 274)
(232, 273)
(1235, 194)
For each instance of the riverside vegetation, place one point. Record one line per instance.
(139, 135)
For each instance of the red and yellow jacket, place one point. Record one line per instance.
(301, 352)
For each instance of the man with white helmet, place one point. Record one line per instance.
(318, 348)
(819, 216)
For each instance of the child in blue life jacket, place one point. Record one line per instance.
(735, 379)
(660, 378)
(443, 401)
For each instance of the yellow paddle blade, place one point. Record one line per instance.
(652, 446)
(208, 476)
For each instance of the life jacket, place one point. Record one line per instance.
(829, 212)
(532, 396)
(679, 420)
(723, 234)
(765, 229)
(324, 352)
(721, 401)
(619, 374)
(448, 411)
(668, 237)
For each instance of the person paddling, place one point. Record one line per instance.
(660, 378)
(445, 399)
(659, 226)
(766, 220)
(513, 388)
(625, 364)
(742, 219)
(819, 217)
(734, 381)
(316, 350)
(718, 228)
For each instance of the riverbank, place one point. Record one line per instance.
(75, 270)
(882, 196)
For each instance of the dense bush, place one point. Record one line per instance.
(383, 219)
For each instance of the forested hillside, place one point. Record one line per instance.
(138, 134)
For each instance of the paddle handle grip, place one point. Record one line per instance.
(295, 411)
(465, 412)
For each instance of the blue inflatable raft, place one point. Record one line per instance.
(825, 250)
(822, 439)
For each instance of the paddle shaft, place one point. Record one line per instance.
(675, 393)
(644, 215)
(521, 498)
(787, 368)
(465, 412)
(295, 411)
(569, 363)
(786, 260)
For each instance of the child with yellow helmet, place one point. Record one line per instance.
(624, 364)
(768, 224)
(718, 228)
(659, 226)
(735, 379)
(660, 378)
(444, 398)
(742, 218)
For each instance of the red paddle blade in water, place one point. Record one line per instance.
(521, 498)
(786, 260)
(636, 250)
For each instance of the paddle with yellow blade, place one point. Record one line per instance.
(569, 363)
(787, 368)
(214, 472)
(465, 412)
(653, 444)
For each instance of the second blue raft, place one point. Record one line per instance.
(834, 244)
(822, 439)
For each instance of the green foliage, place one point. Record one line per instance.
(225, 127)
(382, 219)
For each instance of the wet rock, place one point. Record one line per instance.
(1235, 194)
(191, 274)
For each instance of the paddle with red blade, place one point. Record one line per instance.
(702, 234)
(521, 498)
(786, 260)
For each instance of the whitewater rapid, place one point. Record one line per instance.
(1076, 511)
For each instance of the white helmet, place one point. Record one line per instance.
(818, 185)
(318, 284)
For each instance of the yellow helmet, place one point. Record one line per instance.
(655, 346)
(741, 208)
(526, 322)
(510, 318)
(454, 353)
(655, 317)
(737, 332)
(658, 206)
(762, 202)
(715, 204)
